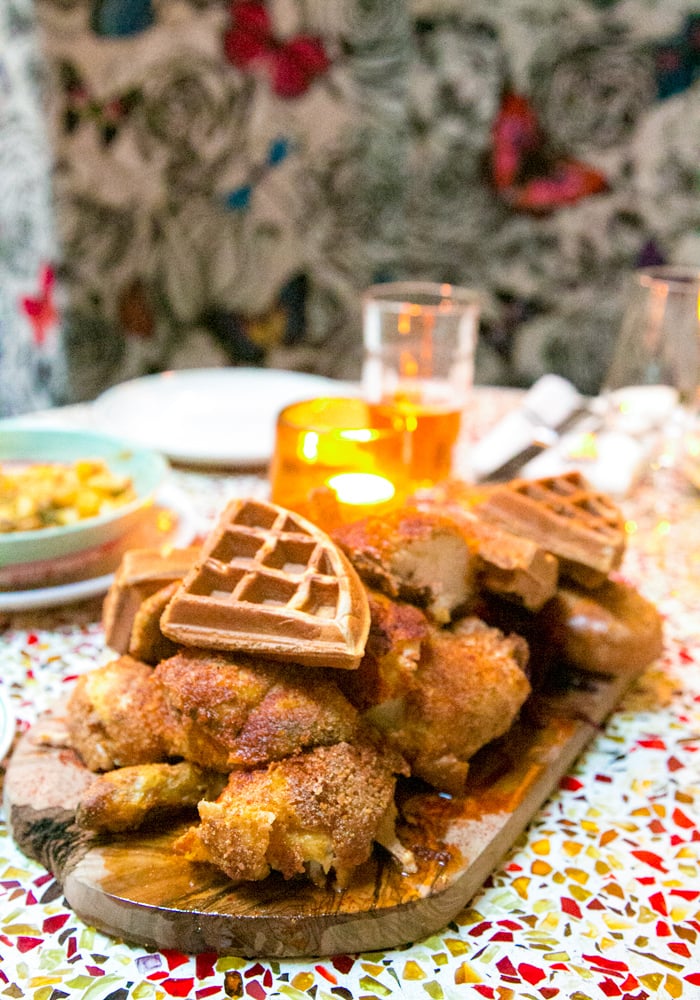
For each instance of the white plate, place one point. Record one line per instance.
(51, 597)
(7, 724)
(209, 416)
(80, 590)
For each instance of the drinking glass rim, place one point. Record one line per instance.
(437, 295)
(312, 418)
(673, 275)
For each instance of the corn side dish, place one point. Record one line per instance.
(45, 495)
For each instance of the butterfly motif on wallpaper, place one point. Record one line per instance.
(121, 18)
(40, 309)
(526, 172)
(238, 200)
(677, 59)
(291, 64)
(81, 106)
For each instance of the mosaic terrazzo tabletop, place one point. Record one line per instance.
(599, 898)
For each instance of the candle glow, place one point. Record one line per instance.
(336, 460)
(308, 446)
(360, 434)
(361, 489)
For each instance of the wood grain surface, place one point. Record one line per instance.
(134, 887)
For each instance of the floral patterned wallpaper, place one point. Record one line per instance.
(29, 328)
(228, 175)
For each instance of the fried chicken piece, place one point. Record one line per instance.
(318, 812)
(438, 695)
(392, 654)
(292, 717)
(112, 716)
(125, 798)
(471, 686)
(415, 555)
(609, 630)
(513, 567)
(226, 713)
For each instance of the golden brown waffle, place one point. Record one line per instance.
(269, 582)
(567, 517)
(141, 573)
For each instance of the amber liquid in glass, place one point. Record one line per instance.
(432, 432)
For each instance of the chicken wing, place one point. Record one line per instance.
(438, 695)
(114, 714)
(127, 797)
(318, 812)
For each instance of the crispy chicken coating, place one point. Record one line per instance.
(471, 687)
(418, 556)
(290, 718)
(125, 798)
(438, 695)
(316, 813)
(113, 716)
(510, 566)
(392, 654)
(225, 713)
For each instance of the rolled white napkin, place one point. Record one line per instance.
(611, 442)
(611, 461)
(549, 402)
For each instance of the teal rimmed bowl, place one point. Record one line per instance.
(146, 469)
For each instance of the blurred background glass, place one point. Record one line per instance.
(418, 371)
(657, 360)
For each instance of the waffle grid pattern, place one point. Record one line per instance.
(567, 517)
(571, 499)
(269, 583)
(282, 565)
(265, 558)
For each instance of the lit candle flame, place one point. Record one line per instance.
(361, 434)
(361, 489)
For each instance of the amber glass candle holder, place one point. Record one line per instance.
(335, 462)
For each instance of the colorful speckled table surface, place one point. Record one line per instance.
(599, 898)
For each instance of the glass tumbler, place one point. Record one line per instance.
(659, 339)
(652, 387)
(418, 369)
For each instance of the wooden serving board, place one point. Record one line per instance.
(134, 887)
